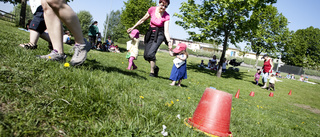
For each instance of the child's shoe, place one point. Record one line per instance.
(135, 67)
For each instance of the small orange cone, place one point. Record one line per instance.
(271, 94)
(290, 92)
(251, 94)
(237, 94)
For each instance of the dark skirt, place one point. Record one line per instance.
(178, 73)
(152, 46)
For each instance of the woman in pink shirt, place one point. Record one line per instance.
(158, 32)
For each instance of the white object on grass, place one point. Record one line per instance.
(178, 116)
(163, 132)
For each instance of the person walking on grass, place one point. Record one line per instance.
(272, 82)
(132, 47)
(54, 11)
(37, 27)
(257, 76)
(158, 32)
(179, 68)
(93, 31)
(267, 69)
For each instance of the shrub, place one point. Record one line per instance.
(311, 72)
(123, 40)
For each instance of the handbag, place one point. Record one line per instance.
(178, 62)
(129, 45)
(128, 55)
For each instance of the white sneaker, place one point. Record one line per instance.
(54, 55)
(80, 53)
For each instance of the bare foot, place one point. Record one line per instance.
(172, 84)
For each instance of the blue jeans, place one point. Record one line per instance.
(265, 77)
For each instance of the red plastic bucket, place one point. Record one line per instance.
(251, 94)
(271, 94)
(213, 112)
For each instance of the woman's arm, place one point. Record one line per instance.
(166, 34)
(144, 18)
(170, 52)
(271, 63)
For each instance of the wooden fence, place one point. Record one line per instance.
(7, 16)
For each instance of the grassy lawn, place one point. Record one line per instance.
(102, 98)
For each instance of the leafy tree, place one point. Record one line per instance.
(303, 48)
(134, 11)
(223, 20)
(85, 19)
(11, 1)
(244, 51)
(17, 10)
(268, 31)
(115, 28)
(22, 17)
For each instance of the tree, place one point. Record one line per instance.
(268, 31)
(115, 28)
(22, 17)
(11, 1)
(28, 15)
(303, 48)
(223, 20)
(245, 51)
(85, 19)
(134, 11)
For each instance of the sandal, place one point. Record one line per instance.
(28, 45)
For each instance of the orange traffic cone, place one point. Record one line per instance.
(271, 94)
(212, 115)
(290, 92)
(237, 94)
(251, 94)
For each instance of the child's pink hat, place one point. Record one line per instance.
(135, 33)
(180, 47)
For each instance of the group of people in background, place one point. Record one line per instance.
(213, 64)
(292, 76)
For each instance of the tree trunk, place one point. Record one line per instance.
(225, 44)
(257, 59)
(23, 13)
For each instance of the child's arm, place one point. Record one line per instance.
(278, 80)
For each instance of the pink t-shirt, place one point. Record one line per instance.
(157, 22)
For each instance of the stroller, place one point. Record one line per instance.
(234, 63)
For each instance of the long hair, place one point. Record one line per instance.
(94, 23)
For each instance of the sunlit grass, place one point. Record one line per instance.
(102, 98)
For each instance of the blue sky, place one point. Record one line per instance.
(301, 13)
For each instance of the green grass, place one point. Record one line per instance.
(101, 98)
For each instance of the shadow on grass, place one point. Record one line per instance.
(227, 74)
(194, 67)
(259, 84)
(95, 65)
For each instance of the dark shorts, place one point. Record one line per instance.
(151, 47)
(37, 22)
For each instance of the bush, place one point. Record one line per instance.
(311, 72)
(252, 61)
(123, 40)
